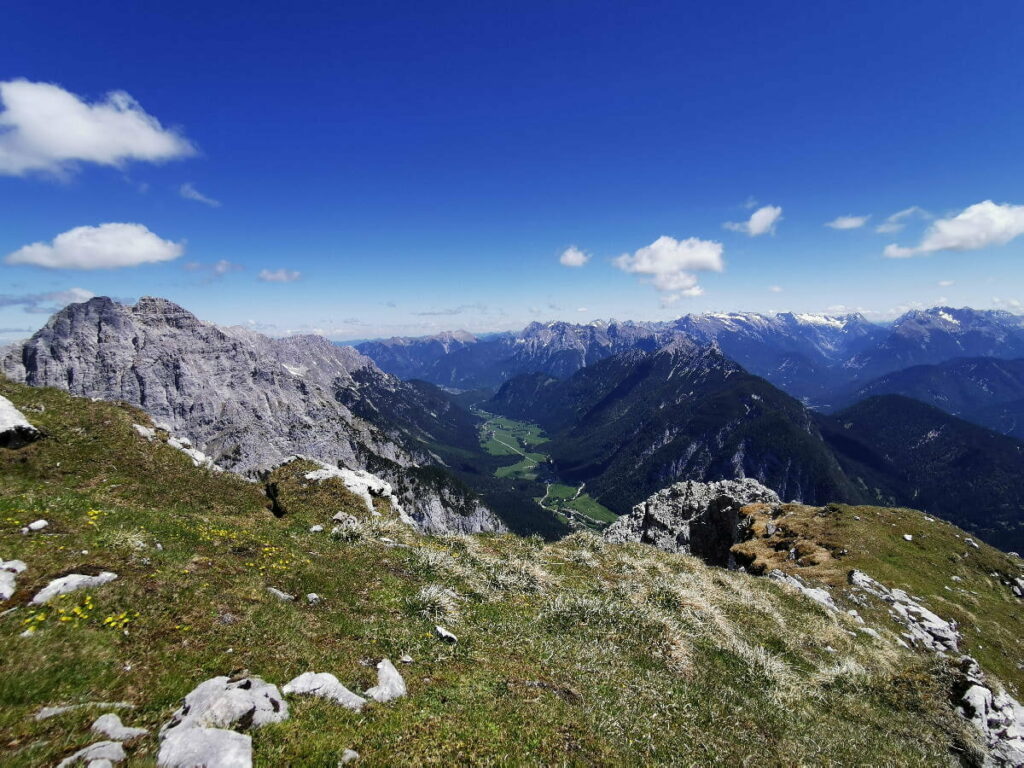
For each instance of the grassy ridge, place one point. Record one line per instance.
(575, 652)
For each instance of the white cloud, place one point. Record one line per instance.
(848, 222)
(573, 257)
(775, 288)
(761, 222)
(189, 192)
(946, 283)
(46, 303)
(582, 309)
(215, 270)
(107, 246)
(978, 226)
(670, 264)
(279, 275)
(46, 129)
(898, 220)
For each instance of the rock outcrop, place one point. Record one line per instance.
(924, 628)
(994, 712)
(692, 518)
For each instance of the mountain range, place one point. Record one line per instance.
(627, 408)
(820, 359)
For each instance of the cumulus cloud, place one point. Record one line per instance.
(761, 222)
(848, 222)
(107, 246)
(46, 303)
(46, 129)
(573, 257)
(279, 275)
(189, 192)
(978, 226)
(898, 220)
(669, 264)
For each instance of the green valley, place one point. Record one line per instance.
(502, 436)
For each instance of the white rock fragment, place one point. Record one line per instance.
(47, 712)
(816, 594)
(280, 595)
(71, 583)
(325, 686)
(908, 537)
(199, 458)
(971, 543)
(316, 529)
(110, 725)
(348, 756)
(222, 703)
(35, 526)
(145, 432)
(406, 659)
(445, 635)
(314, 599)
(205, 748)
(390, 685)
(101, 750)
(9, 570)
(15, 431)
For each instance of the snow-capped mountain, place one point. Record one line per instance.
(818, 358)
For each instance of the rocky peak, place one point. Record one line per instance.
(701, 519)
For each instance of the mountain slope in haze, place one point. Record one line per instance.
(639, 421)
(250, 401)
(906, 452)
(578, 652)
(799, 353)
(926, 337)
(984, 390)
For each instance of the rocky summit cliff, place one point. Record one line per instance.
(246, 400)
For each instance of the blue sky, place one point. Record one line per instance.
(420, 166)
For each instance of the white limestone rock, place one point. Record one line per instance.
(47, 712)
(101, 750)
(110, 725)
(325, 686)
(35, 526)
(348, 756)
(205, 748)
(692, 518)
(283, 596)
(222, 703)
(997, 715)
(924, 628)
(314, 599)
(445, 635)
(15, 430)
(71, 583)
(390, 685)
(816, 594)
(9, 570)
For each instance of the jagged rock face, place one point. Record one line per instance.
(245, 400)
(701, 519)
